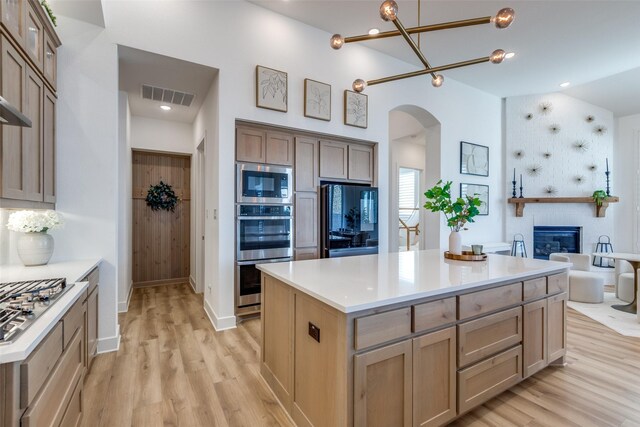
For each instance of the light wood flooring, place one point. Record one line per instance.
(174, 369)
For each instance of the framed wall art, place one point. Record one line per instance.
(355, 109)
(474, 159)
(271, 89)
(479, 191)
(317, 100)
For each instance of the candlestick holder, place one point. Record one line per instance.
(607, 174)
(521, 197)
(514, 187)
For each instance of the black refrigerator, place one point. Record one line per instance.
(349, 220)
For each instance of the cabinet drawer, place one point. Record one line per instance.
(536, 288)
(49, 406)
(433, 314)
(557, 283)
(481, 382)
(488, 335)
(305, 253)
(73, 416)
(35, 370)
(73, 320)
(383, 327)
(92, 278)
(482, 302)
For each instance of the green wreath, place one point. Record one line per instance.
(161, 196)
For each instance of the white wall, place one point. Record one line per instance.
(161, 135)
(260, 37)
(534, 138)
(124, 224)
(88, 161)
(625, 183)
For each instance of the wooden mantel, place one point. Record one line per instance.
(600, 210)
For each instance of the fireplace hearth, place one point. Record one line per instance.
(552, 239)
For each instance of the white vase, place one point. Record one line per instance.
(35, 248)
(455, 243)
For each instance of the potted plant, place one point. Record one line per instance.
(457, 212)
(35, 246)
(599, 196)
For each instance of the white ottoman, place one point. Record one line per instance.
(625, 287)
(585, 286)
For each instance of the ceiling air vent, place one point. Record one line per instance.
(169, 96)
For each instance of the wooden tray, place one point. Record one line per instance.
(466, 256)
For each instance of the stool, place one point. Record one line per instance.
(625, 287)
(585, 286)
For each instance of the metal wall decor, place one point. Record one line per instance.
(534, 170)
(550, 190)
(592, 167)
(271, 89)
(389, 12)
(474, 159)
(590, 119)
(554, 128)
(518, 154)
(547, 154)
(529, 116)
(600, 130)
(581, 145)
(546, 108)
(578, 179)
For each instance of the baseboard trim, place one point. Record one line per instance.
(219, 323)
(107, 345)
(161, 282)
(123, 306)
(192, 282)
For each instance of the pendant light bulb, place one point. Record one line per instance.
(437, 80)
(337, 41)
(504, 18)
(359, 85)
(389, 10)
(497, 56)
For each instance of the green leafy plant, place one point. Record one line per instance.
(47, 9)
(458, 212)
(599, 196)
(161, 196)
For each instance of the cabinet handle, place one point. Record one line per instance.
(314, 332)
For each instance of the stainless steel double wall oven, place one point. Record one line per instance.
(264, 227)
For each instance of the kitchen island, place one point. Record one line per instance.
(406, 338)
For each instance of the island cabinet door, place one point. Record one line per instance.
(534, 339)
(556, 327)
(434, 378)
(382, 387)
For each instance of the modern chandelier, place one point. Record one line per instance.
(389, 12)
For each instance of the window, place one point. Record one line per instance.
(408, 193)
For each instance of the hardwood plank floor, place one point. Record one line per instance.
(174, 369)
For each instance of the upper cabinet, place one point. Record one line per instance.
(306, 164)
(360, 162)
(346, 161)
(259, 146)
(28, 50)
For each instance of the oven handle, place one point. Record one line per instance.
(264, 261)
(240, 218)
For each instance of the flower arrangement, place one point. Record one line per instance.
(599, 196)
(34, 221)
(457, 212)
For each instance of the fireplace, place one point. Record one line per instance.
(551, 239)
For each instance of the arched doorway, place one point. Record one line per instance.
(414, 156)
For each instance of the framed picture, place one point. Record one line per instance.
(271, 89)
(317, 100)
(474, 159)
(479, 191)
(355, 109)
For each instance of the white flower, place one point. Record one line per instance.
(34, 221)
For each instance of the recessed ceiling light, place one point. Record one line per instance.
(510, 55)
(165, 107)
(565, 84)
(374, 31)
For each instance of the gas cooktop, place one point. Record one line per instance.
(21, 303)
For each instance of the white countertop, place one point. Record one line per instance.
(28, 340)
(357, 283)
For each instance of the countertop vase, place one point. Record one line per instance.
(455, 243)
(35, 248)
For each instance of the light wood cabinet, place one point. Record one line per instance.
(92, 327)
(259, 146)
(557, 327)
(382, 327)
(382, 386)
(334, 160)
(34, 39)
(434, 378)
(306, 170)
(306, 220)
(50, 60)
(49, 147)
(534, 349)
(360, 163)
(483, 302)
(305, 253)
(13, 17)
(32, 163)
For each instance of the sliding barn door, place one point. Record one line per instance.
(161, 238)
